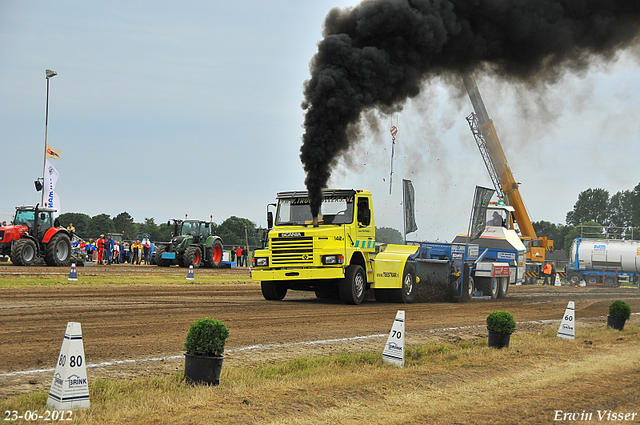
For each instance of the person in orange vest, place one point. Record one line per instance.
(547, 273)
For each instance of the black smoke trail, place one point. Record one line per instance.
(378, 53)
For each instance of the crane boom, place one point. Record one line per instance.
(499, 171)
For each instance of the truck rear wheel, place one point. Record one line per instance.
(574, 278)
(352, 285)
(23, 252)
(503, 289)
(273, 290)
(192, 257)
(58, 250)
(406, 294)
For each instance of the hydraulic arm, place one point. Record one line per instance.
(499, 171)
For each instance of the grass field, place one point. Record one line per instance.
(20, 281)
(538, 377)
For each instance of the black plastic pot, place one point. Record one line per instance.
(615, 322)
(202, 369)
(498, 339)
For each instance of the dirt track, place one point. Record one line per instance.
(143, 322)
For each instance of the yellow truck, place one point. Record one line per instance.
(334, 254)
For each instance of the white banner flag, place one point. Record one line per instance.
(50, 179)
(56, 205)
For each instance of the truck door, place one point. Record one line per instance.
(366, 233)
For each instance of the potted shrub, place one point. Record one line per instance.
(203, 351)
(619, 312)
(500, 325)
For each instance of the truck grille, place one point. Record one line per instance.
(296, 251)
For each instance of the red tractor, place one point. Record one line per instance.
(34, 233)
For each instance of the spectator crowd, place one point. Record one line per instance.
(108, 251)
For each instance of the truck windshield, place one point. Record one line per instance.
(296, 211)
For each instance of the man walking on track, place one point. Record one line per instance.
(547, 273)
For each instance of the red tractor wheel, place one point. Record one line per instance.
(58, 251)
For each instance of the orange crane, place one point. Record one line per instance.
(506, 186)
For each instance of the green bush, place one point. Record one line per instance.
(620, 309)
(206, 338)
(501, 321)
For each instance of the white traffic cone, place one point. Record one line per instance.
(190, 273)
(558, 280)
(73, 273)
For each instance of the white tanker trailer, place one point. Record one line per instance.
(599, 262)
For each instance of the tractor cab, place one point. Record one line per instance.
(37, 220)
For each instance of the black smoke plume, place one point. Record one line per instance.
(378, 53)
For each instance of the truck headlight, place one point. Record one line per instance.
(262, 261)
(332, 259)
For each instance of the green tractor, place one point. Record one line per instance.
(192, 244)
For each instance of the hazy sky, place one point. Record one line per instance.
(164, 108)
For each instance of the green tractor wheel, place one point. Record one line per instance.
(214, 254)
(192, 257)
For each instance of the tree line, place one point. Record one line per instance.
(596, 214)
(232, 230)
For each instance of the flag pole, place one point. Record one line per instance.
(48, 74)
(404, 213)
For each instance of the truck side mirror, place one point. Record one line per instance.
(206, 225)
(169, 223)
(43, 216)
(269, 219)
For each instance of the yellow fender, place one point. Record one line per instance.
(389, 265)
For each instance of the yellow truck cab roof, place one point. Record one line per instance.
(325, 192)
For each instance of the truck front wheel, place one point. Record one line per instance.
(352, 285)
(273, 290)
(406, 294)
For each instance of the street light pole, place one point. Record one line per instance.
(48, 74)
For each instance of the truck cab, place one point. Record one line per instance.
(335, 256)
